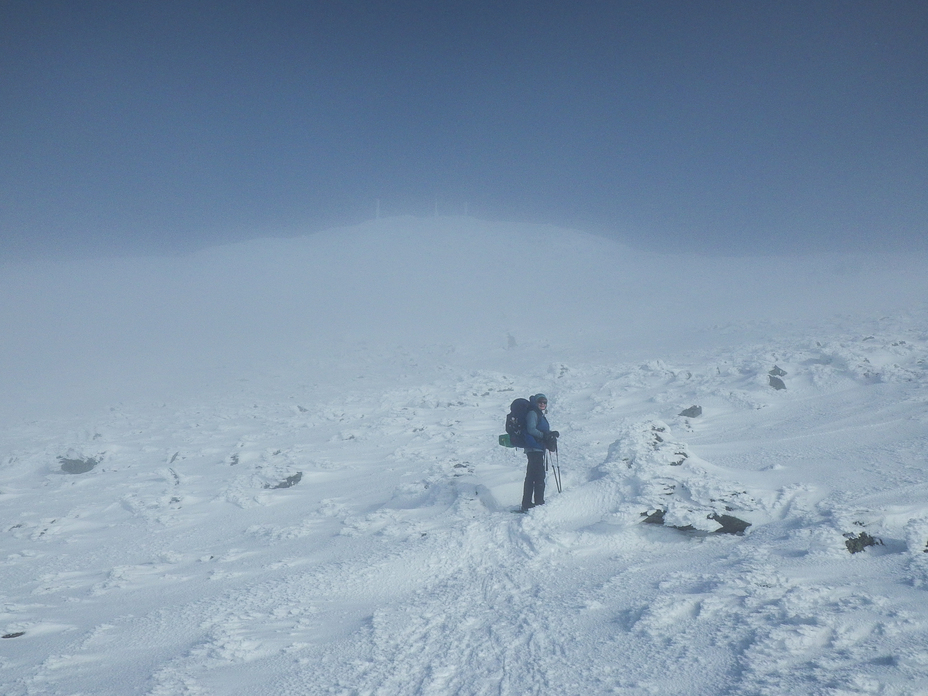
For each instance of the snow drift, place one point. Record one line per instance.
(271, 468)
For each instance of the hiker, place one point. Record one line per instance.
(537, 433)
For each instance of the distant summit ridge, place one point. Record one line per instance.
(140, 325)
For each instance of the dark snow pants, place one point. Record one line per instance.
(534, 480)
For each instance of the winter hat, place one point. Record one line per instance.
(538, 397)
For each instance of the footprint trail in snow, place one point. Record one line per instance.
(364, 545)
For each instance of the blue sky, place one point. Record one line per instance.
(722, 127)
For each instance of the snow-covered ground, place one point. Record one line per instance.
(296, 487)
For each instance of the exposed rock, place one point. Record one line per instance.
(777, 372)
(287, 482)
(657, 438)
(777, 383)
(657, 517)
(730, 524)
(15, 635)
(692, 412)
(856, 544)
(77, 466)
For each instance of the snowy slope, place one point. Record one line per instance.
(296, 487)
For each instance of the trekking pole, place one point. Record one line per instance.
(556, 469)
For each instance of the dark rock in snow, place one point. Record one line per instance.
(777, 383)
(77, 466)
(730, 524)
(15, 635)
(777, 372)
(657, 517)
(692, 412)
(856, 544)
(288, 482)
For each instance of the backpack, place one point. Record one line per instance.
(515, 424)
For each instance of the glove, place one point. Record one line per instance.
(551, 440)
(555, 433)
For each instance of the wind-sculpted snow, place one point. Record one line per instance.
(342, 524)
(638, 465)
(394, 566)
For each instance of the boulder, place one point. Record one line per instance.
(777, 383)
(657, 517)
(77, 466)
(287, 482)
(692, 412)
(730, 524)
(857, 543)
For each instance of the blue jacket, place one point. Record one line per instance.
(536, 426)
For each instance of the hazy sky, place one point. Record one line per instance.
(738, 126)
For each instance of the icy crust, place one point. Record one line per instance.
(180, 564)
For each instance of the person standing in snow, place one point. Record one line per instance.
(537, 434)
